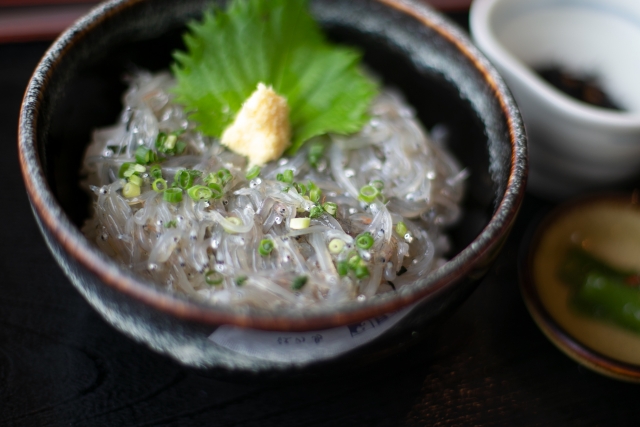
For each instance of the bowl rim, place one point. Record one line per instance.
(68, 236)
(480, 16)
(550, 327)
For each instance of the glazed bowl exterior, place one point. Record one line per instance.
(78, 85)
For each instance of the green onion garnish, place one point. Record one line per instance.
(159, 185)
(216, 190)
(266, 246)
(377, 184)
(314, 194)
(286, 176)
(368, 193)
(252, 173)
(130, 190)
(364, 240)
(213, 278)
(336, 246)
(343, 268)
(144, 155)
(225, 176)
(200, 192)
(160, 140)
(299, 223)
(183, 179)
(170, 142)
(172, 224)
(330, 208)
(299, 282)
(300, 188)
(315, 211)
(362, 271)
(172, 195)
(180, 146)
(353, 260)
(135, 179)
(240, 280)
(123, 169)
(315, 153)
(155, 171)
(211, 178)
(401, 228)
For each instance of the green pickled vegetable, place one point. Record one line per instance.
(601, 291)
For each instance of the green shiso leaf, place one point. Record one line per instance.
(278, 43)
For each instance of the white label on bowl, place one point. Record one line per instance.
(302, 347)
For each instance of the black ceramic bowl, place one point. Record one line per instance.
(78, 85)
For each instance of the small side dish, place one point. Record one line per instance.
(580, 282)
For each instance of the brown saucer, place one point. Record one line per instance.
(609, 227)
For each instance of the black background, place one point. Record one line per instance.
(62, 365)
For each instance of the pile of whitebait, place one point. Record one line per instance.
(345, 218)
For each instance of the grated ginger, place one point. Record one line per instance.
(261, 129)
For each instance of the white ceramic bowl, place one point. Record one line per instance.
(574, 147)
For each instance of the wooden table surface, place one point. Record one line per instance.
(62, 365)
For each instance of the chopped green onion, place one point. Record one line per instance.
(159, 185)
(138, 168)
(216, 190)
(144, 155)
(252, 173)
(183, 179)
(266, 246)
(160, 140)
(225, 176)
(336, 246)
(315, 153)
(172, 195)
(368, 193)
(377, 184)
(130, 169)
(362, 271)
(123, 169)
(315, 211)
(299, 223)
(330, 208)
(315, 194)
(286, 189)
(240, 280)
(171, 224)
(155, 171)
(343, 268)
(401, 228)
(135, 179)
(299, 282)
(211, 178)
(180, 146)
(353, 260)
(130, 190)
(213, 278)
(364, 240)
(286, 176)
(170, 142)
(300, 188)
(200, 192)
